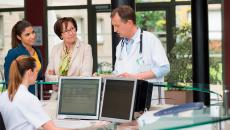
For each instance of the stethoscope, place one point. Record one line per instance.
(141, 44)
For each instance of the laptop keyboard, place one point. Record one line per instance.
(72, 124)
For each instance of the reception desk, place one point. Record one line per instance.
(50, 106)
(211, 116)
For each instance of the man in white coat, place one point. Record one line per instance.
(139, 54)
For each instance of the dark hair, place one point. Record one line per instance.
(17, 70)
(58, 27)
(17, 30)
(125, 12)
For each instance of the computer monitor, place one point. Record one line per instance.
(143, 95)
(118, 99)
(79, 97)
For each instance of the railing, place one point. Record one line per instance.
(171, 86)
(187, 86)
(41, 83)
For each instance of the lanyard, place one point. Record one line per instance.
(141, 44)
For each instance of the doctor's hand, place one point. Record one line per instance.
(142, 75)
(128, 75)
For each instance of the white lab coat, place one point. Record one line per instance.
(153, 56)
(25, 111)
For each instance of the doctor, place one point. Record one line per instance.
(139, 54)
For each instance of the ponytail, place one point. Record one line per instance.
(15, 79)
(14, 40)
(18, 68)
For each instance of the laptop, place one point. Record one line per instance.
(79, 98)
(118, 100)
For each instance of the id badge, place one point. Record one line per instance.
(142, 66)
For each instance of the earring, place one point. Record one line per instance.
(61, 38)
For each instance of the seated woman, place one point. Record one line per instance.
(70, 57)
(20, 109)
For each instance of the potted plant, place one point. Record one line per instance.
(180, 58)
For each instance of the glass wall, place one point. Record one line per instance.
(155, 22)
(7, 20)
(143, 1)
(101, 1)
(8, 17)
(104, 43)
(66, 2)
(11, 3)
(151, 19)
(215, 47)
(183, 0)
(183, 15)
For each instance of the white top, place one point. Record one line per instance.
(25, 112)
(153, 56)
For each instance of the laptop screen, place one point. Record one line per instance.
(118, 100)
(79, 97)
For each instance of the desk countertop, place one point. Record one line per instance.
(50, 106)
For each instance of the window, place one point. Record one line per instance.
(183, 0)
(183, 15)
(154, 22)
(1, 32)
(11, 3)
(101, 1)
(67, 2)
(143, 1)
(81, 28)
(215, 44)
(104, 42)
(8, 19)
(100, 38)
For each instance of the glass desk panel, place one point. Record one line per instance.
(185, 86)
(192, 118)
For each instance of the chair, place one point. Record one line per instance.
(2, 125)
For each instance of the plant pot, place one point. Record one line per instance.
(178, 96)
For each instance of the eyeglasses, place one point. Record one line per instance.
(69, 30)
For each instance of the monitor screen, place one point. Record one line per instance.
(118, 99)
(79, 97)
